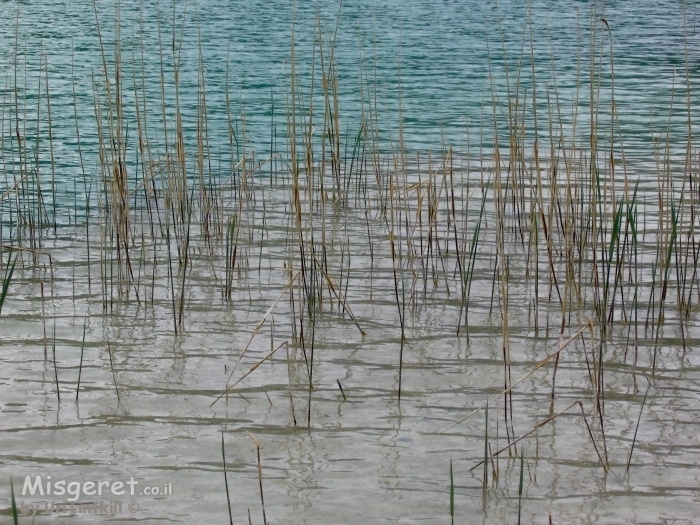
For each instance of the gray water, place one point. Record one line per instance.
(366, 458)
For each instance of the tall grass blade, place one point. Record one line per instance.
(520, 487)
(639, 419)
(80, 368)
(15, 518)
(6, 281)
(228, 496)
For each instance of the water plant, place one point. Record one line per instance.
(636, 428)
(7, 279)
(452, 494)
(15, 518)
(228, 496)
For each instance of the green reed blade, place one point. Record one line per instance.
(6, 280)
(15, 519)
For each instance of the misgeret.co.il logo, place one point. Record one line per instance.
(63, 496)
(74, 490)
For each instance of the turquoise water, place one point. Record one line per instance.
(441, 63)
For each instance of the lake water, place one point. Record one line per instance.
(412, 81)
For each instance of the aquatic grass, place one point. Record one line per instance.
(527, 434)
(452, 495)
(80, 367)
(400, 304)
(341, 390)
(55, 365)
(636, 428)
(231, 249)
(15, 517)
(608, 308)
(256, 365)
(632, 223)
(468, 275)
(43, 322)
(486, 455)
(551, 356)
(255, 332)
(289, 386)
(262, 499)
(114, 376)
(486, 445)
(520, 484)
(336, 290)
(228, 496)
(7, 279)
(604, 463)
(664, 286)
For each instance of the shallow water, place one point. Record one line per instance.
(145, 393)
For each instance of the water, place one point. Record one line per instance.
(145, 394)
(441, 69)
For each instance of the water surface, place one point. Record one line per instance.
(436, 70)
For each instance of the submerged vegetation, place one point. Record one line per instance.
(537, 226)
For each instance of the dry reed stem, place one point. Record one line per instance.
(255, 331)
